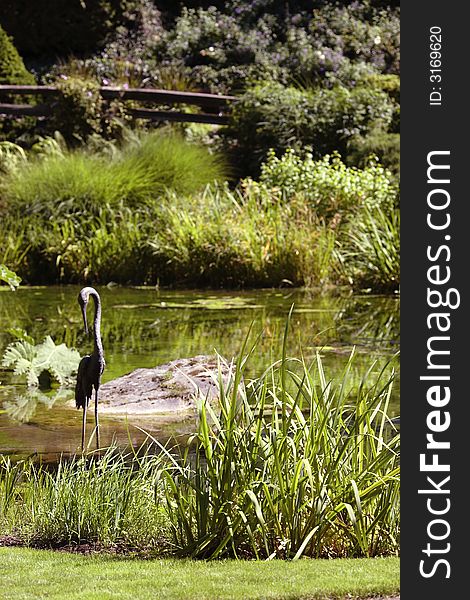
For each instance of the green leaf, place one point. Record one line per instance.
(30, 361)
(20, 334)
(9, 277)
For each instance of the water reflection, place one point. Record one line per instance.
(146, 327)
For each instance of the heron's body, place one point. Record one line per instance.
(91, 366)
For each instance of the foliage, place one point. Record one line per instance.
(77, 110)
(226, 47)
(62, 27)
(385, 146)
(328, 183)
(135, 173)
(31, 361)
(11, 156)
(289, 465)
(360, 32)
(220, 53)
(9, 277)
(137, 217)
(279, 117)
(12, 69)
(24, 406)
(104, 501)
(237, 239)
(370, 253)
(13, 72)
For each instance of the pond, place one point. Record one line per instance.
(145, 327)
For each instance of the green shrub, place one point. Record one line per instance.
(385, 146)
(76, 113)
(359, 31)
(279, 117)
(217, 50)
(12, 69)
(328, 184)
(227, 46)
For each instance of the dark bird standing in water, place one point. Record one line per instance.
(91, 366)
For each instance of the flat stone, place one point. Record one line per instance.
(170, 388)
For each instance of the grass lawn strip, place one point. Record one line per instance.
(27, 574)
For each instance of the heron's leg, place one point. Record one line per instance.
(96, 421)
(84, 425)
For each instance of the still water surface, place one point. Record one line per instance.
(144, 327)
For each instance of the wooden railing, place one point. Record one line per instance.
(215, 106)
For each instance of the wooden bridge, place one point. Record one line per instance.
(214, 106)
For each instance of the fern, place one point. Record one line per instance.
(30, 361)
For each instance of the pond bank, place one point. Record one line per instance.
(144, 327)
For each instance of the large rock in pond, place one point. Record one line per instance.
(169, 388)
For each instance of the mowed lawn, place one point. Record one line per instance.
(27, 573)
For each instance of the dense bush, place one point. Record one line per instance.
(279, 117)
(385, 146)
(358, 32)
(219, 53)
(328, 184)
(227, 46)
(12, 69)
(76, 113)
(61, 27)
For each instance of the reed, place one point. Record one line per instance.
(293, 464)
(287, 465)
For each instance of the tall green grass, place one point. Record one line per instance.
(370, 250)
(155, 210)
(79, 182)
(237, 238)
(106, 501)
(219, 237)
(291, 464)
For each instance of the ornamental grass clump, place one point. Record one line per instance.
(106, 501)
(291, 465)
(288, 465)
(370, 250)
(138, 172)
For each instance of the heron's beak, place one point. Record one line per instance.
(84, 318)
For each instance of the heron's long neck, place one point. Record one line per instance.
(97, 325)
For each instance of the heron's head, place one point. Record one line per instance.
(83, 297)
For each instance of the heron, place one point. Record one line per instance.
(91, 367)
